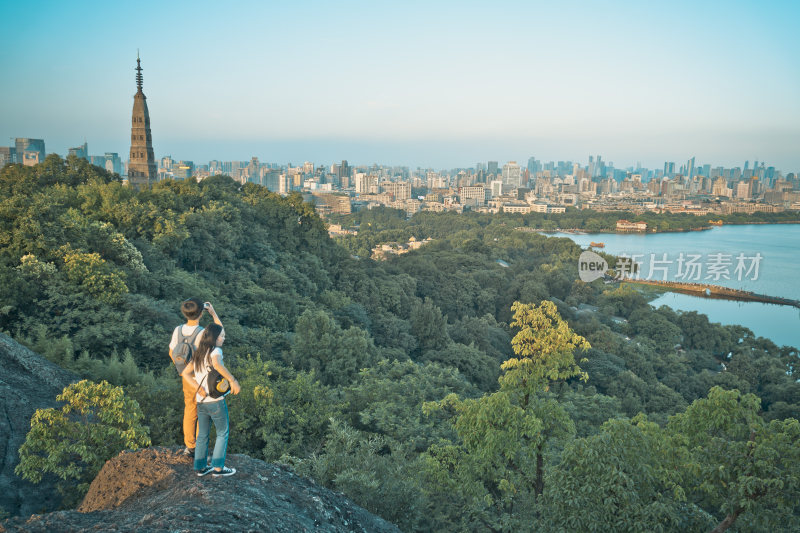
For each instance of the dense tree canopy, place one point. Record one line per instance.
(459, 387)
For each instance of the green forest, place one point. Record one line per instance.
(474, 384)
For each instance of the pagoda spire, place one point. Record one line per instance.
(138, 72)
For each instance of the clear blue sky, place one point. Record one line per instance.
(440, 84)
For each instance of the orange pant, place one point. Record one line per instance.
(189, 414)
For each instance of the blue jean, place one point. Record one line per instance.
(206, 412)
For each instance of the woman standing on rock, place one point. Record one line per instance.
(208, 356)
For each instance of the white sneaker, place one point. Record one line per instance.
(224, 472)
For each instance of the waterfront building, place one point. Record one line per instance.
(142, 167)
(626, 225)
(748, 208)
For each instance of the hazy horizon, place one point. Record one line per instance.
(440, 85)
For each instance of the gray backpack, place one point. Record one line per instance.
(184, 350)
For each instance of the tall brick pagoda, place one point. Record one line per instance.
(142, 167)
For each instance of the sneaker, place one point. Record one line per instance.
(224, 472)
(204, 471)
(188, 451)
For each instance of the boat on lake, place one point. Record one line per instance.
(597, 245)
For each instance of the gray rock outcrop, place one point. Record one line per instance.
(156, 490)
(28, 382)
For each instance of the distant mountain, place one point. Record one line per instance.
(28, 382)
(155, 490)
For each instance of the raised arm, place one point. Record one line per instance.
(210, 308)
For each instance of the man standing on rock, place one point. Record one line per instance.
(185, 340)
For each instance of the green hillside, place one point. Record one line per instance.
(471, 385)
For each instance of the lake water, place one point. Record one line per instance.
(762, 258)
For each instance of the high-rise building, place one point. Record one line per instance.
(720, 187)
(690, 168)
(113, 162)
(491, 167)
(401, 190)
(594, 171)
(473, 195)
(366, 183)
(512, 174)
(182, 170)
(8, 155)
(743, 189)
(274, 180)
(496, 187)
(142, 166)
(81, 151)
(30, 151)
(344, 169)
(253, 170)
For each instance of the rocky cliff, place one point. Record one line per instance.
(28, 382)
(155, 490)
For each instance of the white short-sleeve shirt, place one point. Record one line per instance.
(187, 331)
(200, 376)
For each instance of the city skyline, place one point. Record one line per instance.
(440, 86)
(561, 167)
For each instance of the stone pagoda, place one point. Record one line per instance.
(142, 166)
